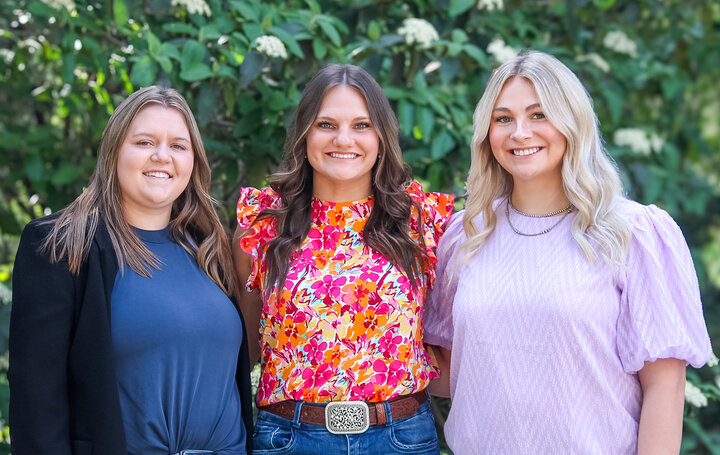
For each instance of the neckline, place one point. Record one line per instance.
(154, 236)
(323, 203)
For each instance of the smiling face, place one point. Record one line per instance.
(342, 147)
(522, 139)
(154, 165)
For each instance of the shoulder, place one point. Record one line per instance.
(440, 202)
(252, 201)
(646, 218)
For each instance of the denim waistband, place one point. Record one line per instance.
(196, 452)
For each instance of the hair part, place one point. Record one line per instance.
(194, 222)
(590, 178)
(387, 230)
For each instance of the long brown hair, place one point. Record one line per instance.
(194, 223)
(387, 231)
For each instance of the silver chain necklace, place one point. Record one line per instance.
(508, 204)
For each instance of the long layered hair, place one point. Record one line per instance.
(194, 223)
(590, 178)
(387, 230)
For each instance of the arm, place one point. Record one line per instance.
(663, 385)
(440, 386)
(40, 327)
(251, 303)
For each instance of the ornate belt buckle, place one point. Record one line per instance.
(347, 417)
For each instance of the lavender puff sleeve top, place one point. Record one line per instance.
(546, 346)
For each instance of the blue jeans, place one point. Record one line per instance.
(415, 434)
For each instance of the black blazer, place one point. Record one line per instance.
(63, 388)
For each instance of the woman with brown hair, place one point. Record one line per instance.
(337, 255)
(123, 335)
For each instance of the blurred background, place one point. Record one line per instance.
(651, 66)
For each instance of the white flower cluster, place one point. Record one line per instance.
(490, 5)
(596, 60)
(712, 360)
(5, 294)
(618, 41)
(501, 51)
(638, 140)
(271, 46)
(694, 396)
(59, 4)
(418, 31)
(193, 6)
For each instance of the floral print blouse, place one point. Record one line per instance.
(347, 324)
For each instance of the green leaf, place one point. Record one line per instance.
(253, 31)
(314, 7)
(319, 48)
(373, 30)
(426, 122)
(170, 50)
(34, 169)
(120, 12)
(144, 71)
(251, 67)
(477, 54)
(207, 104)
(209, 32)
(165, 64)
(329, 31)
(180, 27)
(436, 174)
(441, 145)
(154, 44)
(289, 41)
(40, 9)
(196, 72)
(459, 36)
(64, 175)
(406, 116)
(226, 71)
(394, 93)
(245, 9)
(457, 7)
(266, 22)
(193, 52)
(69, 62)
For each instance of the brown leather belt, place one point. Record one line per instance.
(400, 408)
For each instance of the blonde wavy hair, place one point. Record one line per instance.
(194, 223)
(590, 177)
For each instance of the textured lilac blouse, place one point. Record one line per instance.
(546, 346)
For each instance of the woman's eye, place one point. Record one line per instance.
(324, 125)
(179, 147)
(502, 119)
(538, 116)
(362, 125)
(144, 143)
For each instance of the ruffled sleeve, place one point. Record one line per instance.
(437, 317)
(251, 202)
(660, 310)
(436, 211)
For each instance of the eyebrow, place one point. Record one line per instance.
(144, 134)
(529, 108)
(326, 117)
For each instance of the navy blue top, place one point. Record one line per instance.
(176, 338)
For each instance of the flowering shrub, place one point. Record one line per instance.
(649, 66)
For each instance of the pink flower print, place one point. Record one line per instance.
(331, 237)
(388, 344)
(371, 274)
(315, 240)
(316, 377)
(315, 351)
(267, 385)
(403, 282)
(388, 375)
(362, 391)
(329, 287)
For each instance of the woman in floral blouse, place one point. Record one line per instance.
(337, 255)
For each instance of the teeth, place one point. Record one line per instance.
(161, 175)
(343, 155)
(526, 152)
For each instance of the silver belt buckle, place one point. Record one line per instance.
(347, 417)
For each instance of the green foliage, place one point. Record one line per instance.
(64, 66)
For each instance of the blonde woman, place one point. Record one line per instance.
(570, 311)
(123, 337)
